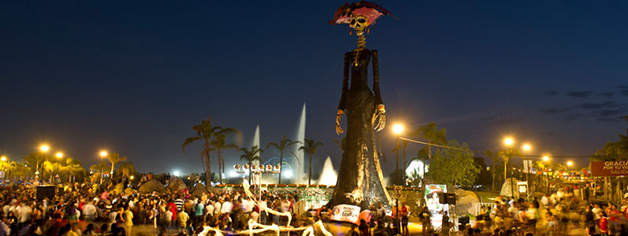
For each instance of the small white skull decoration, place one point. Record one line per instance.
(360, 23)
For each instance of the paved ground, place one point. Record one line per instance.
(334, 228)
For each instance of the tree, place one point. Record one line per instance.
(126, 169)
(101, 168)
(431, 134)
(282, 145)
(494, 160)
(73, 168)
(219, 144)
(454, 165)
(250, 156)
(35, 161)
(310, 147)
(204, 132)
(484, 178)
(114, 158)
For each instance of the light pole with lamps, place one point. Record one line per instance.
(257, 171)
(546, 159)
(509, 142)
(526, 148)
(397, 130)
(59, 155)
(103, 154)
(4, 159)
(44, 148)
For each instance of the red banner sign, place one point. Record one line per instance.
(609, 168)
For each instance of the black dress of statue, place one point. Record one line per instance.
(360, 180)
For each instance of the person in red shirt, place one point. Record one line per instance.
(404, 219)
(603, 223)
(613, 219)
(172, 208)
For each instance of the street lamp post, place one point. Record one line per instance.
(397, 130)
(526, 147)
(4, 159)
(103, 154)
(59, 155)
(569, 164)
(546, 159)
(44, 148)
(509, 142)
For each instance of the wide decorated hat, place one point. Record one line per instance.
(368, 9)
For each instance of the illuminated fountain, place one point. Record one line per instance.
(329, 175)
(298, 162)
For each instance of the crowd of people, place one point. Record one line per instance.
(89, 210)
(564, 212)
(83, 209)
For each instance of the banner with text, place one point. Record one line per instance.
(609, 168)
(346, 213)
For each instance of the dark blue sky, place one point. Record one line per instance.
(133, 77)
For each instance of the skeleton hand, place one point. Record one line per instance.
(380, 117)
(338, 116)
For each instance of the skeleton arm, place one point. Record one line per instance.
(381, 110)
(345, 87)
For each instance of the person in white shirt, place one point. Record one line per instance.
(247, 205)
(24, 213)
(262, 210)
(596, 214)
(545, 201)
(217, 207)
(5, 230)
(112, 217)
(227, 206)
(5, 209)
(89, 211)
(209, 208)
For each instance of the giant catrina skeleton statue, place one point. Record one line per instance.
(360, 177)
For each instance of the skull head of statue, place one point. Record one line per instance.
(360, 23)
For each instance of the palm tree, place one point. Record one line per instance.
(494, 159)
(282, 145)
(431, 134)
(204, 132)
(219, 144)
(73, 167)
(101, 168)
(250, 156)
(126, 169)
(114, 158)
(34, 160)
(309, 147)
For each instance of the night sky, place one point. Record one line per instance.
(134, 77)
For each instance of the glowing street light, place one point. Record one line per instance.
(509, 141)
(44, 148)
(545, 158)
(397, 129)
(3, 158)
(103, 154)
(526, 147)
(570, 163)
(59, 155)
